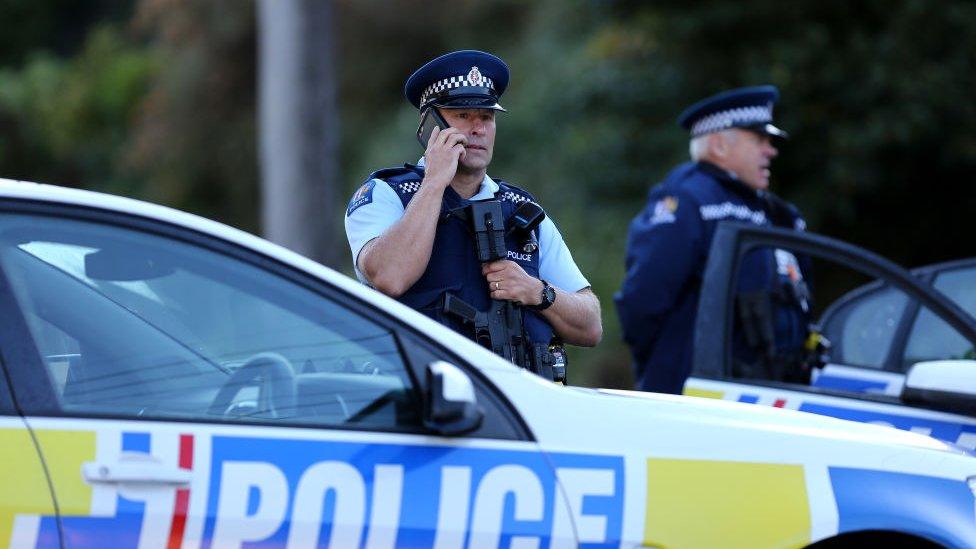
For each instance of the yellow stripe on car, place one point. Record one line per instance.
(23, 488)
(703, 393)
(744, 505)
(64, 452)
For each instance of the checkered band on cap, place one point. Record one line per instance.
(472, 79)
(742, 116)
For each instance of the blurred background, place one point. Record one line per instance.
(169, 101)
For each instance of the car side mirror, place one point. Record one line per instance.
(948, 385)
(452, 408)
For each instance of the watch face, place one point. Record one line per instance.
(548, 294)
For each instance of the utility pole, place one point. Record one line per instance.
(298, 127)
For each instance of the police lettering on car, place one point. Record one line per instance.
(727, 179)
(446, 239)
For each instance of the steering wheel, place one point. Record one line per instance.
(277, 389)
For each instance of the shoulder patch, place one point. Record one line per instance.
(361, 197)
(664, 210)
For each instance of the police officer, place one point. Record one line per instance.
(406, 244)
(732, 147)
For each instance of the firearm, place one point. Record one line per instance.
(501, 327)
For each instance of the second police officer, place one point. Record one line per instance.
(406, 243)
(731, 152)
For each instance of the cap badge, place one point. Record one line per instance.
(474, 76)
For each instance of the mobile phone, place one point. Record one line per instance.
(430, 120)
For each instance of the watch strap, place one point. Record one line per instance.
(548, 297)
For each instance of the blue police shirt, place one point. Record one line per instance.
(667, 249)
(376, 207)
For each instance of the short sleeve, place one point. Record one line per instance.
(372, 210)
(556, 264)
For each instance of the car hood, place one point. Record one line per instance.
(684, 427)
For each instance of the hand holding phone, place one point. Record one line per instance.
(442, 155)
(431, 119)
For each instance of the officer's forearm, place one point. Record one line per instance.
(395, 260)
(575, 317)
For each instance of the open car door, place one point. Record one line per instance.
(863, 374)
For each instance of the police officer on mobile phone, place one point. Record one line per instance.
(406, 244)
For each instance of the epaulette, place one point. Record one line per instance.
(511, 193)
(402, 179)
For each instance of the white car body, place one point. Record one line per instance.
(602, 468)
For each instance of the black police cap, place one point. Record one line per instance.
(749, 108)
(457, 80)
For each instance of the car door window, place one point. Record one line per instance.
(930, 337)
(862, 329)
(774, 334)
(959, 285)
(833, 327)
(134, 324)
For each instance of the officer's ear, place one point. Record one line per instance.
(718, 144)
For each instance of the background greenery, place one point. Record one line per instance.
(156, 99)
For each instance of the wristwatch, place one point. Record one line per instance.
(548, 297)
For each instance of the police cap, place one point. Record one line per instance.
(748, 108)
(466, 79)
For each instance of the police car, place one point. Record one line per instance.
(901, 349)
(172, 382)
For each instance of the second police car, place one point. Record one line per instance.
(902, 346)
(172, 382)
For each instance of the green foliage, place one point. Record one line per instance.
(194, 143)
(59, 27)
(875, 94)
(66, 119)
